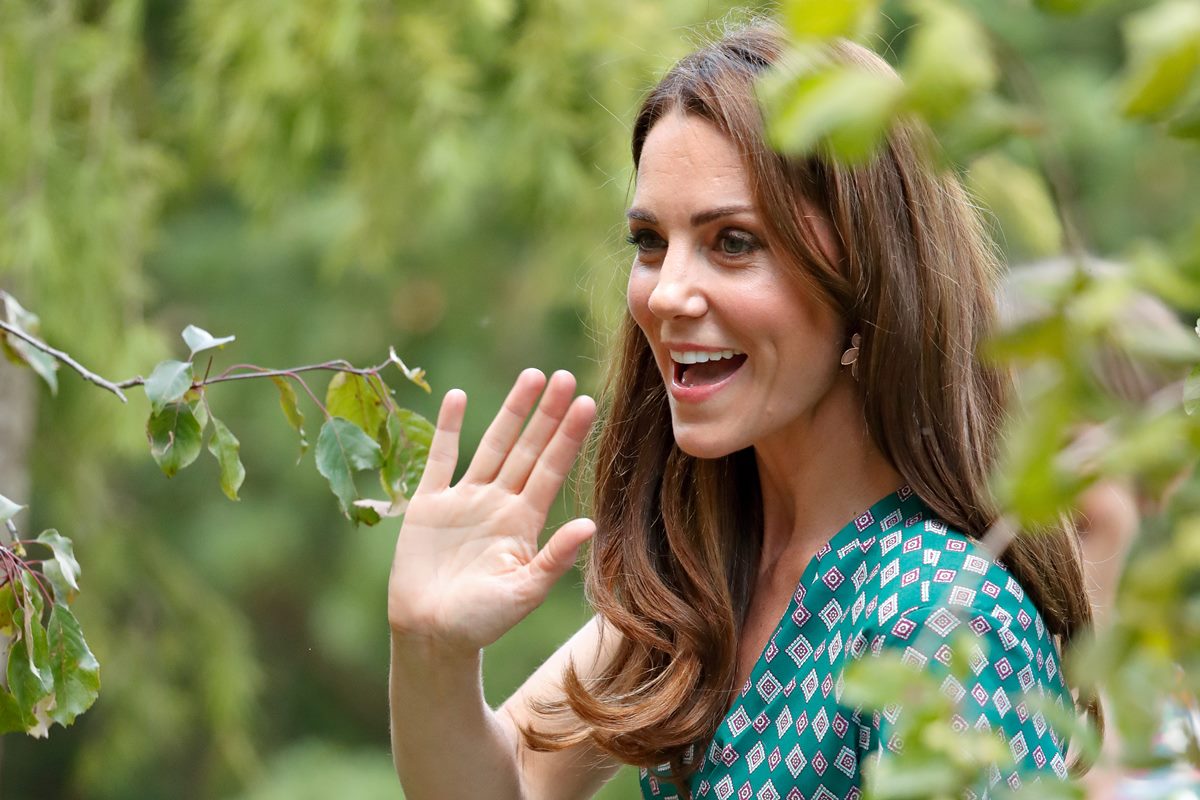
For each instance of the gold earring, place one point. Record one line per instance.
(850, 357)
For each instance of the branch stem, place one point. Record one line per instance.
(63, 358)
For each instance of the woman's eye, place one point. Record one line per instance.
(645, 240)
(737, 243)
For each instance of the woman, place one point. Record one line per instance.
(791, 465)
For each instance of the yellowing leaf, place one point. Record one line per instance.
(225, 446)
(291, 409)
(358, 399)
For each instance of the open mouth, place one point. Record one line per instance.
(695, 368)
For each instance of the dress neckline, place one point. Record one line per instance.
(861, 531)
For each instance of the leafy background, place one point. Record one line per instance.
(325, 178)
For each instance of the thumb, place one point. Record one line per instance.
(559, 553)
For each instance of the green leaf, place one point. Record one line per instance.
(358, 399)
(8, 509)
(825, 19)
(62, 570)
(811, 111)
(174, 435)
(1187, 124)
(1066, 6)
(224, 446)
(1019, 198)
(343, 449)
(291, 409)
(74, 668)
(195, 400)
(30, 679)
(169, 382)
(949, 60)
(22, 352)
(200, 340)
(406, 449)
(1164, 55)
(1191, 391)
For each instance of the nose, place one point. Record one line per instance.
(678, 291)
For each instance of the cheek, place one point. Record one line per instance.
(637, 296)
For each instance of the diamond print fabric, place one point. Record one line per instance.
(896, 579)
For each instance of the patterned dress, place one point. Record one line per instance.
(895, 579)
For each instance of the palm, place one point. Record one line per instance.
(467, 565)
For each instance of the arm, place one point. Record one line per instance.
(467, 569)
(437, 701)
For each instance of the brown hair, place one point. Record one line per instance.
(674, 558)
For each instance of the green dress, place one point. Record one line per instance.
(895, 579)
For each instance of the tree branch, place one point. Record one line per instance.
(63, 358)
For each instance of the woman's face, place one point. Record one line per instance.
(747, 354)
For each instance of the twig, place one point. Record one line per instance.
(338, 365)
(62, 357)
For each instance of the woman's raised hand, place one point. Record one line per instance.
(467, 566)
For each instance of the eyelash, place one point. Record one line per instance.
(639, 240)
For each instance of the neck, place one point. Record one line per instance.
(816, 476)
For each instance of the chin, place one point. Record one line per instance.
(709, 447)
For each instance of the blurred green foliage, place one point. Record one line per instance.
(328, 178)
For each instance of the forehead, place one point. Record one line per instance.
(688, 161)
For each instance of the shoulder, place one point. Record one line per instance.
(924, 563)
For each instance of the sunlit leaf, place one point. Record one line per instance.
(290, 404)
(62, 570)
(811, 111)
(1019, 198)
(44, 364)
(948, 61)
(75, 670)
(343, 449)
(1191, 391)
(169, 382)
(1164, 55)
(8, 509)
(225, 446)
(825, 19)
(174, 435)
(199, 340)
(358, 399)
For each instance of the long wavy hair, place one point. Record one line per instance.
(672, 566)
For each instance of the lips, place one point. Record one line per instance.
(708, 373)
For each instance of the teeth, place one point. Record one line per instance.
(700, 356)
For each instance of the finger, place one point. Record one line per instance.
(545, 421)
(502, 434)
(559, 553)
(555, 463)
(443, 450)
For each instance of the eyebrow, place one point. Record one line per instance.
(698, 219)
